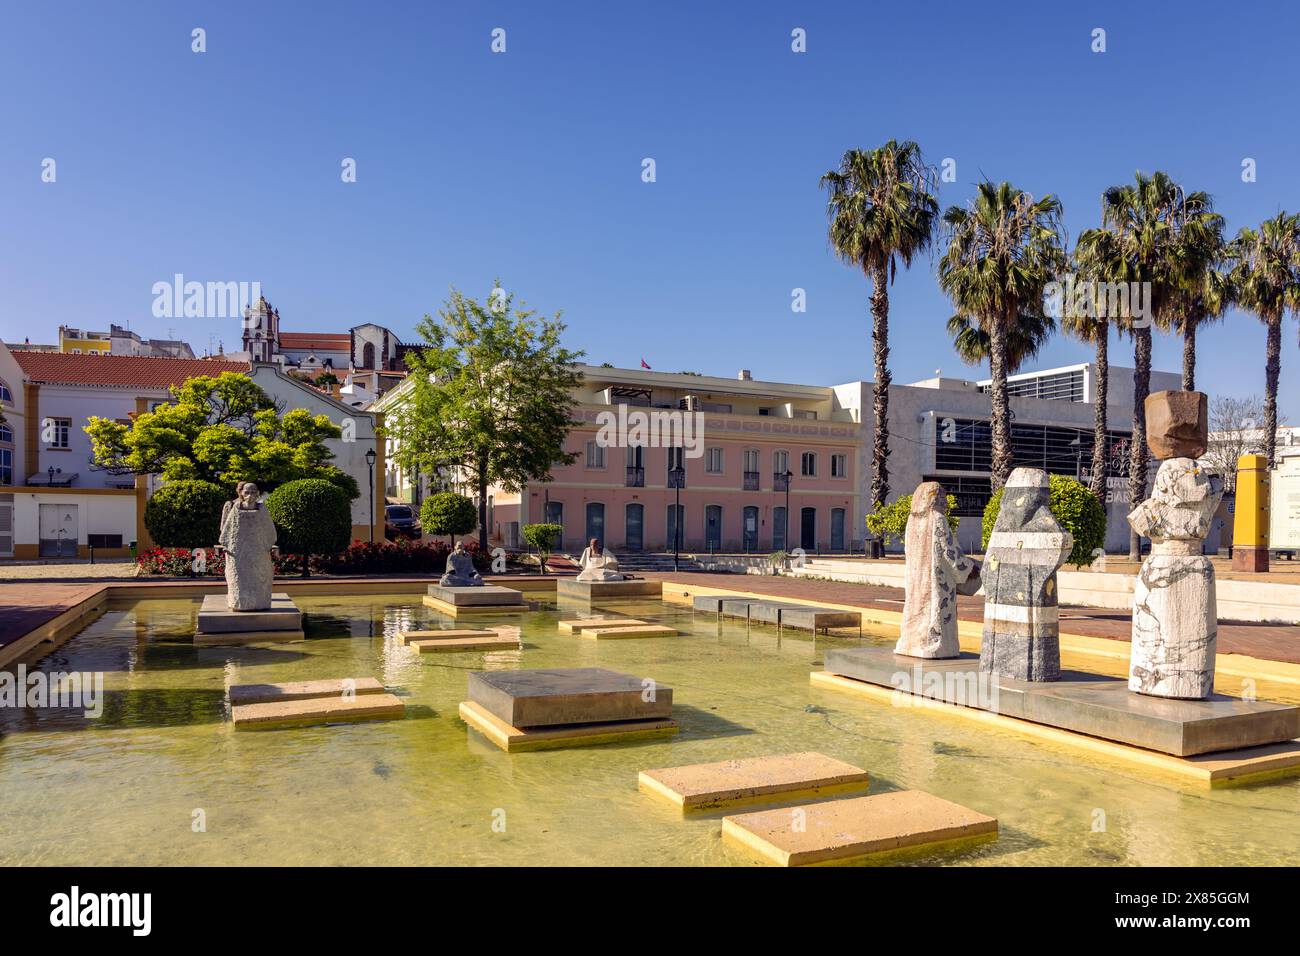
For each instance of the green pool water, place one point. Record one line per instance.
(127, 788)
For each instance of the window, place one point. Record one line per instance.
(6, 466)
(595, 455)
(61, 429)
(808, 464)
(780, 461)
(714, 464)
(676, 459)
(964, 444)
(751, 459)
(6, 435)
(839, 466)
(5, 394)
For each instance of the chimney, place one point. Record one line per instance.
(744, 375)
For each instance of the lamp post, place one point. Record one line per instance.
(787, 476)
(1077, 445)
(677, 478)
(370, 466)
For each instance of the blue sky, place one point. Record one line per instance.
(226, 165)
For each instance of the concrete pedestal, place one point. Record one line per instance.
(219, 625)
(603, 591)
(575, 695)
(485, 599)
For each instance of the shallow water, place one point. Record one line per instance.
(128, 788)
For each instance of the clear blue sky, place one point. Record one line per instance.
(225, 165)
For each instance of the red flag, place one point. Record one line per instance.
(643, 364)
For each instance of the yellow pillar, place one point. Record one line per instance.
(1250, 524)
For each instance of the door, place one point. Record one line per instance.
(778, 529)
(595, 522)
(58, 531)
(713, 527)
(837, 529)
(808, 529)
(750, 528)
(6, 529)
(676, 523)
(634, 536)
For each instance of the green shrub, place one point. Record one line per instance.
(448, 513)
(1079, 511)
(185, 514)
(890, 521)
(312, 516)
(543, 537)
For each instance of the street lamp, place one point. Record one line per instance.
(1077, 445)
(370, 465)
(676, 479)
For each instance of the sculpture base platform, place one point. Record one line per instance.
(219, 625)
(602, 591)
(802, 617)
(515, 739)
(490, 642)
(903, 822)
(241, 694)
(317, 710)
(487, 599)
(732, 783)
(1079, 702)
(616, 631)
(573, 695)
(445, 634)
(577, 624)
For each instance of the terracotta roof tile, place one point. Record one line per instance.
(322, 341)
(122, 371)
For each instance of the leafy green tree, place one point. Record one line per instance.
(448, 513)
(881, 211)
(1266, 276)
(1079, 511)
(890, 521)
(491, 396)
(542, 537)
(221, 429)
(1003, 250)
(312, 516)
(185, 514)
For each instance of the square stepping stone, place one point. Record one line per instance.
(445, 634)
(839, 831)
(241, 694)
(577, 624)
(317, 710)
(578, 695)
(738, 606)
(806, 618)
(711, 603)
(769, 612)
(514, 739)
(489, 642)
(218, 625)
(629, 630)
(729, 783)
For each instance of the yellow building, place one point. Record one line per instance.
(80, 342)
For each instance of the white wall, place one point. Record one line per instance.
(96, 514)
(79, 403)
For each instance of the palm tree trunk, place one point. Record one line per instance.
(880, 346)
(1002, 456)
(1101, 369)
(1189, 354)
(1137, 461)
(1272, 369)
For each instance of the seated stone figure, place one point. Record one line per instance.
(598, 564)
(460, 570)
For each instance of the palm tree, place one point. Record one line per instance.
(1204, 291)
(1095, 256)
(1025, 338)
(1266, 278)
(1148, 218)
(1003, 249)
(881, 211)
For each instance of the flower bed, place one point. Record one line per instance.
(360, 557)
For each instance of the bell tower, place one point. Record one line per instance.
(261, 330)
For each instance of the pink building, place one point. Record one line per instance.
(736, 438)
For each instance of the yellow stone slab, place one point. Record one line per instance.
(569, 627)
(238, 638)
(1217, 769)
(731, 783)
(317, 710)
(488, 642)
(447, 634)
(462, 610)
(633, 630)
(241, 694)
(513, 740)
(843, 831)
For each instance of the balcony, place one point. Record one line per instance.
(635, 477)
(781, 481)
(751, 481)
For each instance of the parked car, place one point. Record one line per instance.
(400, 522)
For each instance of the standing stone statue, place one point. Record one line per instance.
(248, 539)
(1175, 618)
(1021, 629)
(598, 564)
(460, 570)
(936, 573)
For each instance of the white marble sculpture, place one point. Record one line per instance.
(248, 539)
(936, 572)
(1174, 614)
(598, 564)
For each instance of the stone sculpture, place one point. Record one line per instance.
(936, 573)
(1021, 629)
(248, 539)
(1175, 618)
(598, 564)
(460, 570)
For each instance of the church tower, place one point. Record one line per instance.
(261, 330)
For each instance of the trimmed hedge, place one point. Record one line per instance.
(185, 514)
(360, 557)
(312, 516)
(1079, 511)
(448, 513)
